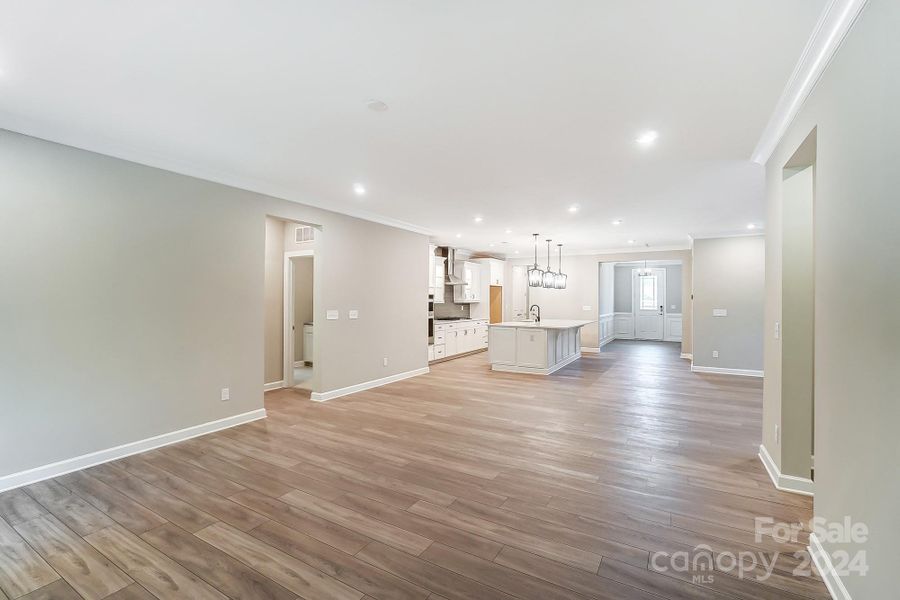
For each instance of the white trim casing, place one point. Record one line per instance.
(590, 350)
(275, 385)
(366, 385)
(829, 574)
(84, 461)
(833, 26)
(785, 483)
(687, 355)
(724, 371)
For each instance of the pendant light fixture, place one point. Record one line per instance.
(535, 275)
(645, 272)
(549, 276)
(559, 281)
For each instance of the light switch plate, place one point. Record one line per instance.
(353, 314)
(720, 312)
(226, 394)
(332, 315)
(777, 330)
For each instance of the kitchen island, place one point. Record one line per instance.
(538, 347)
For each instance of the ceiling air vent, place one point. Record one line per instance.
(304, 234)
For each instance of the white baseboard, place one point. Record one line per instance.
(785, 483)
(589, 350)
(14, 480)
(721, 371)
(275, 385)
(826, 569)
(687, 355)
(366, 385)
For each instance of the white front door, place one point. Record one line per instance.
(649, 304)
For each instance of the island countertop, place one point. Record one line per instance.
(544, 324)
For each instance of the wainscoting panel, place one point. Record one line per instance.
(673, 328)
(607, 328)
(624, 325)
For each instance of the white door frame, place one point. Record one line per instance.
(288, 318)
(660, 272)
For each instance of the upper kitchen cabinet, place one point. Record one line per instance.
(431, 257)
(438, 276)
(493, 270)
(470, 273)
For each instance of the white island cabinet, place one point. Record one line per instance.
(532, 347)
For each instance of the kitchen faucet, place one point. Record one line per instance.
(531, 311)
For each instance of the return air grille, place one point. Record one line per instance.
(304, 234)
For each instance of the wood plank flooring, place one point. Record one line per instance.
(459, 484)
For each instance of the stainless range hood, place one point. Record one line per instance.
(452, 279)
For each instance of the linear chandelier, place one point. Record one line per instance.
(546, 279)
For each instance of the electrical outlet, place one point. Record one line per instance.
(385, 361)
(332, 315)
(777, 435)
(715, 354)
(226, 394)
(353, 314)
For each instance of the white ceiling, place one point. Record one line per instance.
(508, 109)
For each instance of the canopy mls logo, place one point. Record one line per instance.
(703, 563)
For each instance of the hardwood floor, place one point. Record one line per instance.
(459, 484)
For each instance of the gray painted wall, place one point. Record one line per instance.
(729, 273)
(854, 109)
(148, 288)
(623, 289)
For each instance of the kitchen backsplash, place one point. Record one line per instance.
(448, 308)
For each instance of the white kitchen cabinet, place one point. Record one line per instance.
(431, 257)
(470, 272)
(496, 269)
(307, 343)
(459, 337)
(438, 276)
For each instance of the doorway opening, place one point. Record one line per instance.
(646, 300)
(299, 318)
(796, 435)
(289, 316)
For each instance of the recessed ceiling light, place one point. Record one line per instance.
(459, 235)
(647, 138)
(376, 105)
(630, 241)
(479, 219)
(617, 222)
(751, 226)
(573, 208)
(491, 244)
(359, 189)
(508, 231)
(516, 252)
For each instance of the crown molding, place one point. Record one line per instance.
(834, 23)
(101, 145)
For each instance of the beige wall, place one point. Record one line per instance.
(583, 290)
(729, 273)
(857, 324)
(152, 297)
